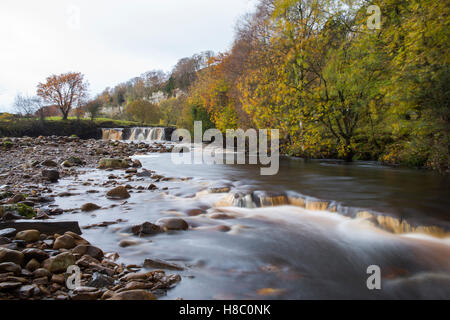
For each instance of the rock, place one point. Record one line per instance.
(131, 170)
(49, 163)
(28, 235)
(59, 263)
(107, 163)
(137, 164)
(41, 272)
(118, 193)
(195, 212)
(219, 189)
(85, 293)
(67, 164)
(100, 281)
(51, 175)
(88, 207)
(7, 255)
(44, 227)
(4, 240)
(64, 242)
(28, 291)
(152, 187)
(172, 224)
(58, 278)
(160, 264)
(86, 261)
(16, 199)
(128, 243)
(146, 228)
(37, 254)
(144, 174)
(133, 295)
(33, 265)
(89, 250)
(6, 267)
(4, 286)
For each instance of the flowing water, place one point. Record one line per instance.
(309, 232)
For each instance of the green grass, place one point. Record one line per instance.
(105, 121)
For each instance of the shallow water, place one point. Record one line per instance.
(282, 252)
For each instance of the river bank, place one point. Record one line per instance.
(33, 264)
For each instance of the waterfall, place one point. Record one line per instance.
(136, 134)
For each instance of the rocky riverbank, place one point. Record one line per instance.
(35, 252)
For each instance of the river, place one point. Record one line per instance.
(310, 232)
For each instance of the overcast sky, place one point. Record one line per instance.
(108, 41)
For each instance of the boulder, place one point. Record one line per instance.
(118, 193)
(34, 253)
(8, 232)
(59, 263)
(92, 251)
(49, 163)
(172, 224)
(146, 228)
(64, 242)
(6, 267)
(33, 265)
(28, 235)
(7, 255)
(160, 264)
(107, 163)
(50, 175)
(88, 207)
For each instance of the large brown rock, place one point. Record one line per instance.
(88, 207)
(172, 224)
(108, 163)
(7, 255)
(118, 193)
(89, 250)
(59, 263)
(64, 242)
(28, 235)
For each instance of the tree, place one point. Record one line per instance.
(27, 106)
(65, 91)
(94, 107)
(143, 111)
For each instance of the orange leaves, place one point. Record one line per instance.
(64, 91)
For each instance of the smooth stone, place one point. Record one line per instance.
(64, 242)
(28, 235)
(34, 253)
(59, 263)
(160, 264)
(33, 265)
(118, 193)
(88, 207)
(172, 224)
(100, 281)
(92, 251)
(14, 256)
(6, 267)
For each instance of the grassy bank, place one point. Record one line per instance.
(83, 128)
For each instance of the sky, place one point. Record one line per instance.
(108, 41)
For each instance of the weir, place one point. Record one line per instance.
(396, 225)
(138, 133)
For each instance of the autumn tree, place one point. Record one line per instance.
(64, 91)
(143, 111)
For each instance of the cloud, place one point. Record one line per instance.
(108, 41)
